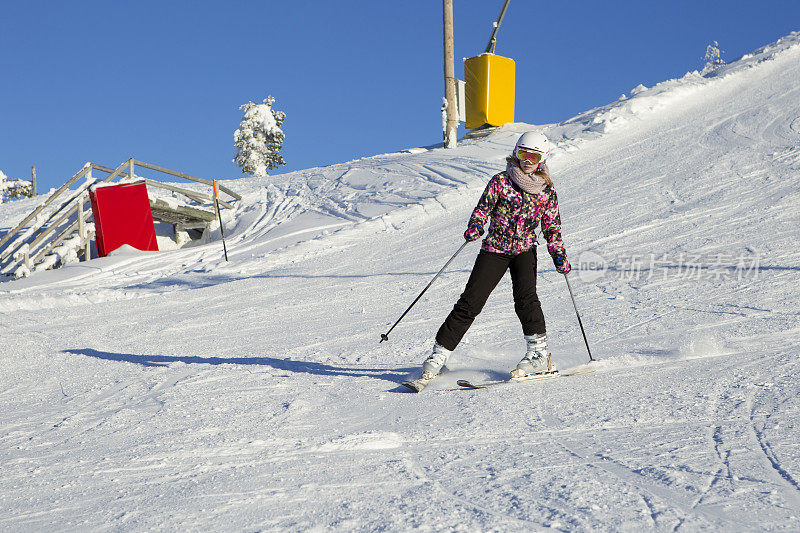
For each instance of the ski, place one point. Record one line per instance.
(418, 384)
(537, 377)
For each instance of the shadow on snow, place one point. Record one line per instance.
(393, 375)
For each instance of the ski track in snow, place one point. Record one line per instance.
(176, 391)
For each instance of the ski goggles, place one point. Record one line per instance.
(529, 156)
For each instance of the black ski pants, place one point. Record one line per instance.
(489, 269)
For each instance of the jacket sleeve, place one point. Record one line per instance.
(551, 227)
(482, 211)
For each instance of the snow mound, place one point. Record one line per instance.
(366, 441)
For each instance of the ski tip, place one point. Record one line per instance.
(413, 386)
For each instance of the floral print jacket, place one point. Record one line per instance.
(515, 215)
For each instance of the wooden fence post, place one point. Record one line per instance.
(81, 225)
(86, 239)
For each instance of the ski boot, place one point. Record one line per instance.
(537, 359)
(430, 368)
(435, 361)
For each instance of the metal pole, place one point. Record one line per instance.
(385, 336)
(449, 77)
(580, 322)
(33, 179)
(219, 215)
(493, 37)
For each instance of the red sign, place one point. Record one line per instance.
(122, 216)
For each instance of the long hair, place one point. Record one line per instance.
(542, 172)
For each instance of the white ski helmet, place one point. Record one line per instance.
(536, 142)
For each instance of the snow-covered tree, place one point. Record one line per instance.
(259, 138)
(712, 58)
(13, 188)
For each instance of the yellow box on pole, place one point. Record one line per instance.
(490, 90)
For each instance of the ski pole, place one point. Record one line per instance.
(580, 323)
(219, 215)
(385, 336)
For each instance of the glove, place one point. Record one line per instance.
(473, 233)
(561, 263)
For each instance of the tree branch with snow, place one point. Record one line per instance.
(11, 188)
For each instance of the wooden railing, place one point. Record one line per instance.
(25, 247)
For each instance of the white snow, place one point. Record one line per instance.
(173, 390)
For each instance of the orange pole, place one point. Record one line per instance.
(219, 215)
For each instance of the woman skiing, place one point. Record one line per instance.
(515, 202)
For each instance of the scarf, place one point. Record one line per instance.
(530, 183)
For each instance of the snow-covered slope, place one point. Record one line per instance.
(177, 391)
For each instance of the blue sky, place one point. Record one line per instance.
(162, 81)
